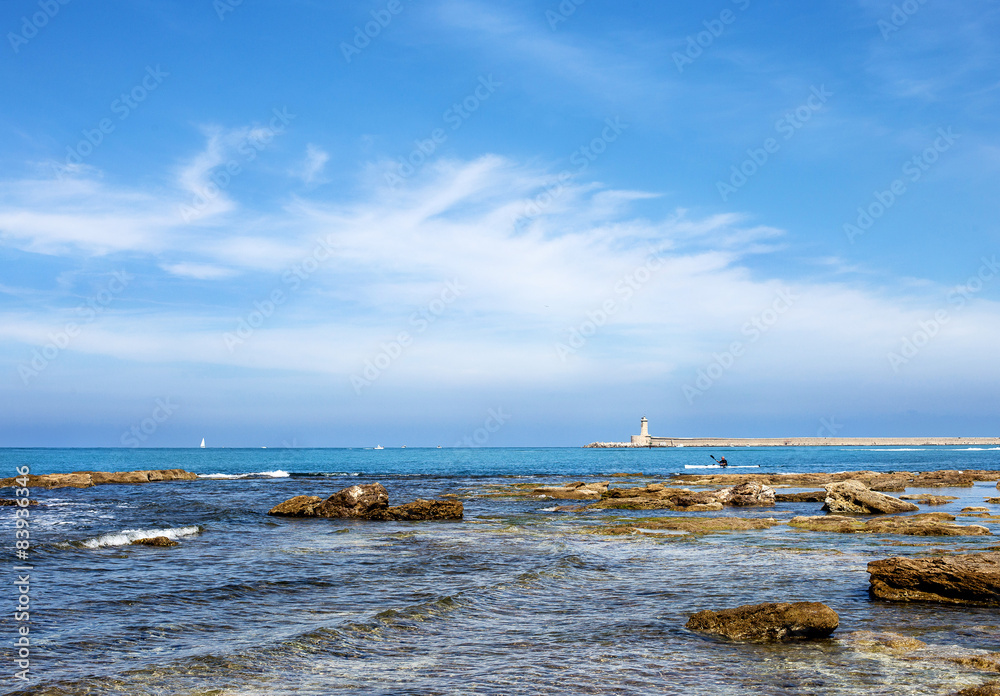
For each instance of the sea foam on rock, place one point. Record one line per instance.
(768, 622)
(368, 501)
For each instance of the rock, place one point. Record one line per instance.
(752, 493)
(927, 499)
(870, 641)
(99, 478)
(574, 491)
(627, 475)
(983, 663)
(421, 510)
(154, 541)
(961, 579)
(990, 688)
(692, 525)
(768, 622)
(855, 497)
(975, 509)
(926, 524)
(993, 501)
(948, 478)
(807, 497)
(355, 501)
(368, 502)
(85, 479)
(299, 506)
(7, 502)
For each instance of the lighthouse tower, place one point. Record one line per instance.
(642, 439)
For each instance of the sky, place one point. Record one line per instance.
(453, 222)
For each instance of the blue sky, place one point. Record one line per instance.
(516, 223)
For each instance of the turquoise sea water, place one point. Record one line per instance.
(516, 599)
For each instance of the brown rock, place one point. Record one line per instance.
(807, 497)
(962, 579)
(154, 541)
(693, 525)
(99, 478)
(8, 502)
(947, 478)
(768, 622)
(855, 497)
(299, 506)
(975, 509)
(927, 499)
(993, 501)
(355, 501)
(421, 510)
(85, 479)
(751, 493)
(574, 491)
(927, 524)
(983, 663)
(990, 688)
(369, 502)
(75, 480)
(870, 641)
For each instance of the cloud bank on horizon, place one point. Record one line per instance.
(281, 224)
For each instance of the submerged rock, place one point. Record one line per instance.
(8, 502)
(927, 499)
(962, 579)
(692, 525)
(574, 491)
(154, 541)
(807, 497)
(368, 502)
(855, 497)
(990, 688)
(86, 479)
(768, 622)
(926, 524)
(870, 641)
(421, 509)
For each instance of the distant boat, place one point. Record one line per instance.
(203, 443)
(379, 447)
(403, 447)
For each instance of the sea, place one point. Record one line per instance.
(517, 598)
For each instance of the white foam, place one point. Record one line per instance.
(127, 536)
(257, 474)
(977, 449)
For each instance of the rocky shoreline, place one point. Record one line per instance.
(86, 479)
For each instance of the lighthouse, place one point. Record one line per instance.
(642, 439)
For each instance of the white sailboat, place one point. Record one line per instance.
(203, 443)
(379, 447)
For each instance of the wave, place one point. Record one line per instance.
(127, 536)
(977, 449)
(716, 466)
(278, 473)
(899, 449)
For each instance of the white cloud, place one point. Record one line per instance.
(311, 169)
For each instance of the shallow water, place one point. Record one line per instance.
(516, 599)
